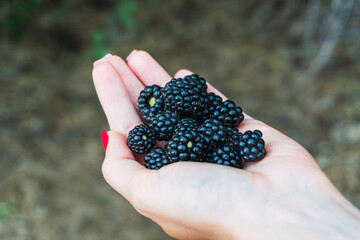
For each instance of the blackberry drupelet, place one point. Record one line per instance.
(150, 102)
(164, 124)
(156, 159)
(252, 146)
(226, 155)
(186, 124)
(185, 96)
(185, 146)
(141, 139)
(213, 132)
(228, 114)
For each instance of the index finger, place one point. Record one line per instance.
(114, 98)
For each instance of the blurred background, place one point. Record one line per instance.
(292, 64)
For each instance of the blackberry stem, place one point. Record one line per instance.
(152, 101)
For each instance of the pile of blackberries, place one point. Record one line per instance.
(197, 126)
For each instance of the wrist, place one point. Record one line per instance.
(344, 216)
(325, 214)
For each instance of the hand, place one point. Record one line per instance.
(285, 195)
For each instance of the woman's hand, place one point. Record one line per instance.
(283, 196)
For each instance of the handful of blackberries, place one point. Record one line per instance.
(198, 126)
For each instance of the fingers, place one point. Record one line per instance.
(150, 72)
(121, 171)
(182, 73)
(147, 69)
(115, 100)
(131, 82)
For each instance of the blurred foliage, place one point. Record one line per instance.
(17, 16)
(293, 64)
(15, 20)
(98, 45)
(124, 12)
(6, 211)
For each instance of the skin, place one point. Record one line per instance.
(285, 195)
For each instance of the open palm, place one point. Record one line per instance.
(192, 200)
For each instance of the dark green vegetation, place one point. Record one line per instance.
(292, 64)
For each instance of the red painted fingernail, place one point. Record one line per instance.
(104, 139)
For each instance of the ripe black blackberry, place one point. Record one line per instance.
(226, 155)
(150, 101)
(185, 146)
(215, 100)
(156, 159)
(233, 137)
(213, 132)
(164, 124)
(211, 102)
(185, 96)
(141, 139)
(228, 114)
(186, 124)
(252, 146)
(203, 113)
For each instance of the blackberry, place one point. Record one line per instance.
(141, 139)
(226, 155)
(215, 100)
(185, 96)
(252, 146)
(233, 137)
(156, 159)
(164, 124)
(185, 146)
(150, 102)
(186, 124)
(213, 132)
(228, 114)
(203, 113)
(211, 102)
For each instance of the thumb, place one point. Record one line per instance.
(120, 169)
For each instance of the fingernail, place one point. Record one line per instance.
(101, 60)
(132, 52)
(104, 139)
